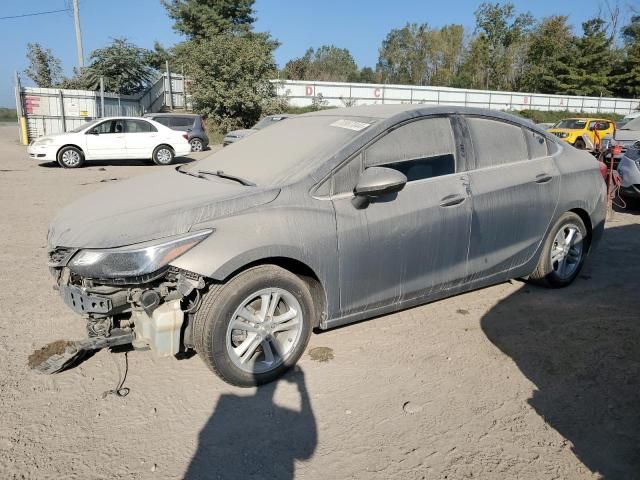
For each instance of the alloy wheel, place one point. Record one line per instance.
(264, 330)
(567, 251)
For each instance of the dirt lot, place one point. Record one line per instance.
(512, 381)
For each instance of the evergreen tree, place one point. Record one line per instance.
(590, 72)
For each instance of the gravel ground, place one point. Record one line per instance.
(512, 381)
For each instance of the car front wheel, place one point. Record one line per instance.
(163, 155)
(70, 157)
(564, 252)
(255, 327)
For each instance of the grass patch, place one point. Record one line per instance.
(8, 114)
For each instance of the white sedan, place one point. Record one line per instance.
(112, 138)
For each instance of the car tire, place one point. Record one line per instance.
(163, 155)
(197, 145)
(579, 144)
(70, 157)
(564, 252)
(247, 340)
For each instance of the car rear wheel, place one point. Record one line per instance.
(163, 155)
(196, 145)
(70, 157)
(564, 252)
(255, 327)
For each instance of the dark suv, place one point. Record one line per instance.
(185, 122)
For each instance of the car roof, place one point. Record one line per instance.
(391, 114)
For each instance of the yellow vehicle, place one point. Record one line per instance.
(571, 130)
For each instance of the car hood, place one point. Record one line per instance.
(150, 207)
(627, 135)
(241, 133)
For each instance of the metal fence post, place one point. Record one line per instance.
(169, 86)
(184, 89)
(102, 97)
(22, 119)
(62, 114)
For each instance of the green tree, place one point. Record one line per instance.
(123, 66)
(367, 75)
(550, 56)
(158, 57)
(199, 19)
(44, 68)
(628, 73)
(296, 68)
(328, 63)
(230, 77)
(591, 71)
(419, 55)
(495, 58)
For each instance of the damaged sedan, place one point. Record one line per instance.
(329, 218)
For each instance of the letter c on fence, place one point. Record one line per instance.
(376, 92)
(308, 91)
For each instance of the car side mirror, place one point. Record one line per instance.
(93, 132)
(377, 182)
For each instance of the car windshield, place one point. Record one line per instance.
(287, 151)
(83, 126)
(267, 122)
(632, 124)
(571, 124)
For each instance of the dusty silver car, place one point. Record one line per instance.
(329, 218)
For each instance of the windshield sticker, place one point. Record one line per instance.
(350, 125)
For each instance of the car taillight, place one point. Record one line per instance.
(204, 128)
(185, 136)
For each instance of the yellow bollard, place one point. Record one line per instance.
(24, 135)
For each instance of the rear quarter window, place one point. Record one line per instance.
(537, 144)
(182, 122)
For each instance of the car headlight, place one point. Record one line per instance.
(44, 141)
(133, 260)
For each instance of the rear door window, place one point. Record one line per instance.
(139, 126)
(420, 149)
(496, 142)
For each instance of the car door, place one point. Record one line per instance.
(407, 245)
(106, 140)
(141, 138)
(515, 187)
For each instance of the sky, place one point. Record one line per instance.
(358, 25)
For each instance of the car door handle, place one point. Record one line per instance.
(543, 178)
(452, 201)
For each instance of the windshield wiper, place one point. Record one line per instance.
(218, 173)
(221, 174)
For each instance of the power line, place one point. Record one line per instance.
(34, 14)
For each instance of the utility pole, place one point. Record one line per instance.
(76, 16)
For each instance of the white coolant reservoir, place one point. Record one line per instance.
(161, 330)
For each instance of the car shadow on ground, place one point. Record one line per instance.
(250, 437)
(580, 346)
(120, 163)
